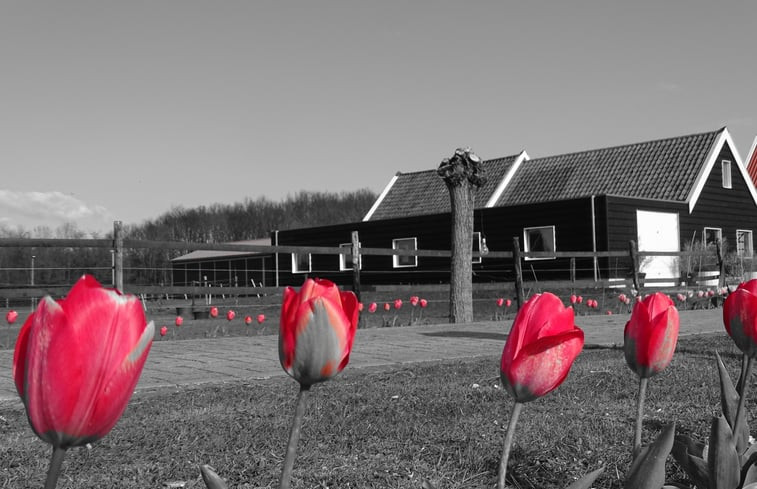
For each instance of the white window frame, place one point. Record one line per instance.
(396, 259)
(343, 258)
(743, 249)
(296, 269)
(704, 234)
(725, 170)
(476, 244)
(527, 243)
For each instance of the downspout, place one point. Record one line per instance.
(276, 255)
(594, 238)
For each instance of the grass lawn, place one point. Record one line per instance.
(387, 428)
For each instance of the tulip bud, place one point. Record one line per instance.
(261, 318)
(540, 349)
(500, 302)
(317, 328)
(179, 320)
(372, 307)
(164, 331)
(397, 303)
(11, 316)
(740, 317)
(248, 320)
(214, 312)
(230, 315)
(651, 335)
(423, 303)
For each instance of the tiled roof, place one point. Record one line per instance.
(665, 169)
(424, 192)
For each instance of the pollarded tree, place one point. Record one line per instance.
(463, 175)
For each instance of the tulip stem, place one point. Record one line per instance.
(639, 416)
(55, 464)
(508, 444)
(294, 437)
(742, 397)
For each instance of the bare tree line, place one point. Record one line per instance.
(217, 223)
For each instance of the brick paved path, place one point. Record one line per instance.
(186, 362)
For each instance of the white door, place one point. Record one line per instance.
(658, 231)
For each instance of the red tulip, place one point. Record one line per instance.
(214, 312)
(540, 349)
(622, 297)
(651, 334)
(387, 307)
(397, 303)
(579, 299)
(164, 331)
(423, 303)
(680, 297)
(230, 315)
(360, 306)
(248, 320)
(414, 300)
(740, 317)
(700, 293)
(11, 316)
(179, 320)
(317, 328)
(372, 307)
(500, 302)
(261, 318)
(508, 303)
(573, 298)
(609, 312)
(77, 361)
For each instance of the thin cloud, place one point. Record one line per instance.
(30, 209)
(665, 86)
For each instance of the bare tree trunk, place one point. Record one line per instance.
(461, 274)
(463, 175)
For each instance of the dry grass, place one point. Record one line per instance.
(386, 428)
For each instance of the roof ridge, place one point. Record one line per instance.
(628, 145)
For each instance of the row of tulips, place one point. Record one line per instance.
(75, 385)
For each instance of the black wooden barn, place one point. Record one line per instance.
(669, 195)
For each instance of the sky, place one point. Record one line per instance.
(122, 110)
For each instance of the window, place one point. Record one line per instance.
(477, 246)
(345, 258)
(539, 239)
(301, 263)
(726, 171)
(404, 244)
(744, 245)
(712, 236)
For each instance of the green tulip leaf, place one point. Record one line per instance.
(212, 480)
(729, 402)
(586, 481)
(723, 462)
(749, 466)
(648, 468)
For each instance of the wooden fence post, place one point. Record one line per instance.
(721, 265)
(633, 252)
(518, 272)
(572, 268)
(118, 246)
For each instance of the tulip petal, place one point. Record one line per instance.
(542, 366)
(19, 356)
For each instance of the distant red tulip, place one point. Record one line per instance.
(540, 349)
(397, 303)
(214, 312)
(579, 299)
(500, 302)
(230, 315)
(700, 293)
(740, 317)
(680, 297)
(651, 335)
(164, 331)
(11, 316)
(387, 307)
(414, 300)
(77, 361)
(627, 301)
(423, 303)
(508, 303)
(248, 320)
(573, 298)
(622, 297)
(360, 306)
(710, 293)
(261, 318)
(179, 321)
(609, 312)
(318, 326)
(372, 307)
